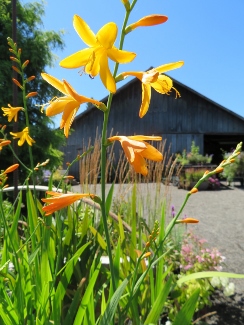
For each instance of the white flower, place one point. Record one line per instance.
(229, 289)
(224, 281)
(215, 282)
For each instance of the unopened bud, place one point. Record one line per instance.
(11, 168)
(219, 170)
(146, 255)
(31, 94)
(30, 78)
(16, 69)
(193, 190)
(17, 83)
(25, 64)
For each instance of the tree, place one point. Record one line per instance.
(36, 45)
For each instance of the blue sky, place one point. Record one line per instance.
(207, 35)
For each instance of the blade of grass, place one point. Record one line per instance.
(186, 313)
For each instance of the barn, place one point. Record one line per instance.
(192, 117)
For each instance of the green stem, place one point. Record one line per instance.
(104, 159)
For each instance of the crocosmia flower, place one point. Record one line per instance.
(11, 112)
(59, 201)
(23, 136)
(94, 59)
(136, 150)
(68, 105)
(155, 79)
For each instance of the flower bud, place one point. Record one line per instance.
(31, 94)
(17, 83)
(11, 168)
(150, 20)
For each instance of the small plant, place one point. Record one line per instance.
(194, 157)
(194, 256)
(234, 170)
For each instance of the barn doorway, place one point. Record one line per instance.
(215, 144)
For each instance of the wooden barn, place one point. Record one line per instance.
(192, 117)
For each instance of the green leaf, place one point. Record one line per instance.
(86, 298)
(209, 274)
(186, 313)
(157, 308)
(99, 238)
(7, 311)
(63, 283)
(109, 199)
(108, 315)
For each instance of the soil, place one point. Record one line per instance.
(224, 311)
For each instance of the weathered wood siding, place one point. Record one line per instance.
(180, 120)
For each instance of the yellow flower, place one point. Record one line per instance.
(150, 20)
(68, 105)
(136, 150)
(11, 112)
(3, 143)
(101, 47)
(153, 78)
(23, 136)
(59, 201)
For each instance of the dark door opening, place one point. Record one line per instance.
(216, 145)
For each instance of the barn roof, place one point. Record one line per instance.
(176, 82)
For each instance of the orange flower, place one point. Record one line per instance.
(12, 112)
(153, 78)
(59, 201)
(68, 104)
(94, 58)
(23, 136)
(136, 149)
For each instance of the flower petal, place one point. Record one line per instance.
(78, 98)
(106, 36)
(146, 97)
(67, 120)
(54, 82)
(151, 153)
(77, 59)
(144, 137)
(169, 66)
(139, 165)
(84, 31)
(106, 76)
(120, 56)
(58, 106)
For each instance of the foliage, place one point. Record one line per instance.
(193, 157)
(37, 46)
(234, 170)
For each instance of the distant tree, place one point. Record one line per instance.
(36, 45)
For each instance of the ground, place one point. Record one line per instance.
(224, 311)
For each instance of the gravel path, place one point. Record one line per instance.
(220, 212)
